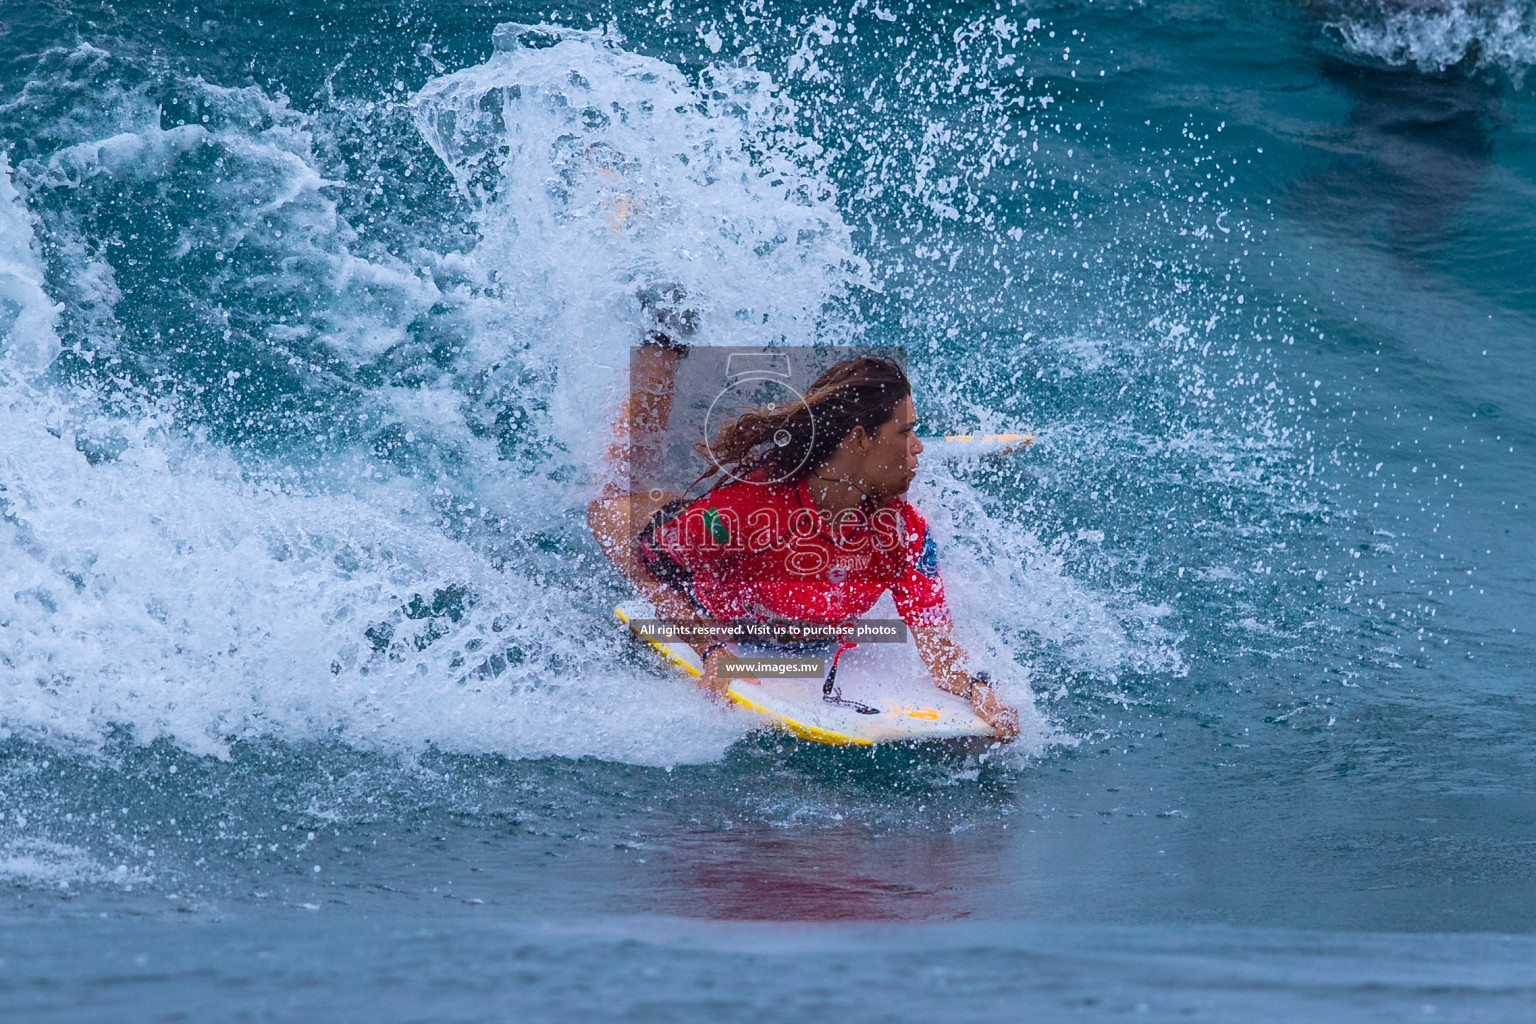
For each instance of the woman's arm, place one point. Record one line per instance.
(612, 520)
(946, 662)
(673, 606)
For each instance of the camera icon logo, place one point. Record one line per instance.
(754, 381)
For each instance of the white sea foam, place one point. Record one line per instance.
(164, 588)
(29, 338)
(595, 166)
(988, 552)
(1435, 36)
(41, 862)
(164, 591)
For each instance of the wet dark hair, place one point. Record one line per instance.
(788, 441)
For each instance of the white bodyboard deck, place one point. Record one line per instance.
(887, 677)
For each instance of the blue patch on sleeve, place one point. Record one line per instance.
(928, 561)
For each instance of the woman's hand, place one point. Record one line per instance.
(1003, 719)
(711, 679)
(946, 663)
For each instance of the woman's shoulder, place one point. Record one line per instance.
(911, 519)
(745, 494)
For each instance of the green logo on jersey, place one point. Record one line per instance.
(717, 531)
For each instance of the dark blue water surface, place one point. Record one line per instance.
(312, 321)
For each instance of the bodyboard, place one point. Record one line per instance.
(888, 678)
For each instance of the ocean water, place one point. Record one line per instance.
(313, 317)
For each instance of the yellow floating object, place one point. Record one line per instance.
(1022, 439)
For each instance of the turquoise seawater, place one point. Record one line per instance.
(313, 318)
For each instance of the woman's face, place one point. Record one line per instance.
(889, 462)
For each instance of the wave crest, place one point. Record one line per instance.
(1435, 37)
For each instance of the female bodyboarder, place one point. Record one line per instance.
(809, 523)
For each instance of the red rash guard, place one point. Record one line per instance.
(758, 551)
